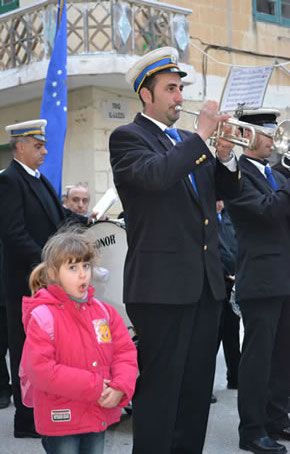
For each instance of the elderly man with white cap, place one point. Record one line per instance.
(30, 214)
(173, 283)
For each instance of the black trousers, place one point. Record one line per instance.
(16, 338)
(264, 373)
(176, 352)
(4, 374)
(229, 335)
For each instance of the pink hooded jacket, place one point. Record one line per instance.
(69, 349)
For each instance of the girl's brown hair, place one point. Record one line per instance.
(66, 246)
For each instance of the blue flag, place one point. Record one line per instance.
(54, 103)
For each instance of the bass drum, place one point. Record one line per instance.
(110, 239)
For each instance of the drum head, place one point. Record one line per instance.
(110, 239)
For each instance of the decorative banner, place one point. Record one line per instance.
(245, 87)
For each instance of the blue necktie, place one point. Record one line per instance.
(270, 178)
(174, 134)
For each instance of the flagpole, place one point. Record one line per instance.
(61, 5)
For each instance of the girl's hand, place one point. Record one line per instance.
(105, 386)
(110, 398)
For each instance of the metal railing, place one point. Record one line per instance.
(116, 26)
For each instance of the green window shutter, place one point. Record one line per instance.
(275, 11)
(8, 5)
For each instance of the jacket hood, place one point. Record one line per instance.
(53, 295)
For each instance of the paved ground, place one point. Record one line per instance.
(221, 436)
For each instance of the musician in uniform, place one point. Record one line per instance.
(30, 214)
(5, 386)
(261, 217)
(173, 281)
(229, 333)
(282, 168)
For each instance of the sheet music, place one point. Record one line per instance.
(245, 86)
(105, 203)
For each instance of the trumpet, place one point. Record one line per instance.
(281, 141)
(280, 135)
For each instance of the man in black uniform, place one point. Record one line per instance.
(281, 168)
(30, 214)
(261, 217)
(230, 322)
(166, 179)
(5, 387)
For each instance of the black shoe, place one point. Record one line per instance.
(26, 434)
(5, 399)
(281, 433)
(24, 426)
(232, 386)
(213, 399)
(263, 445)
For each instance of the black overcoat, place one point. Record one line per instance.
(26, 224)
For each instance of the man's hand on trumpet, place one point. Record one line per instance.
(224, 147)
(209, 118)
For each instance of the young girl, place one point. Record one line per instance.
(78, 364)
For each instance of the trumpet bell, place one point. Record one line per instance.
(281, 138)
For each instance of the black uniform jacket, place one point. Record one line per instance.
(227, 244)
(26, 222)
(261, 218)
(171, 232)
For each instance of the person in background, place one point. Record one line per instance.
(5, 387)
(173, 284)
(79, 364)
(230, 322)
(261, 218)
(77, 198)
(286, 172)
(281, 168)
